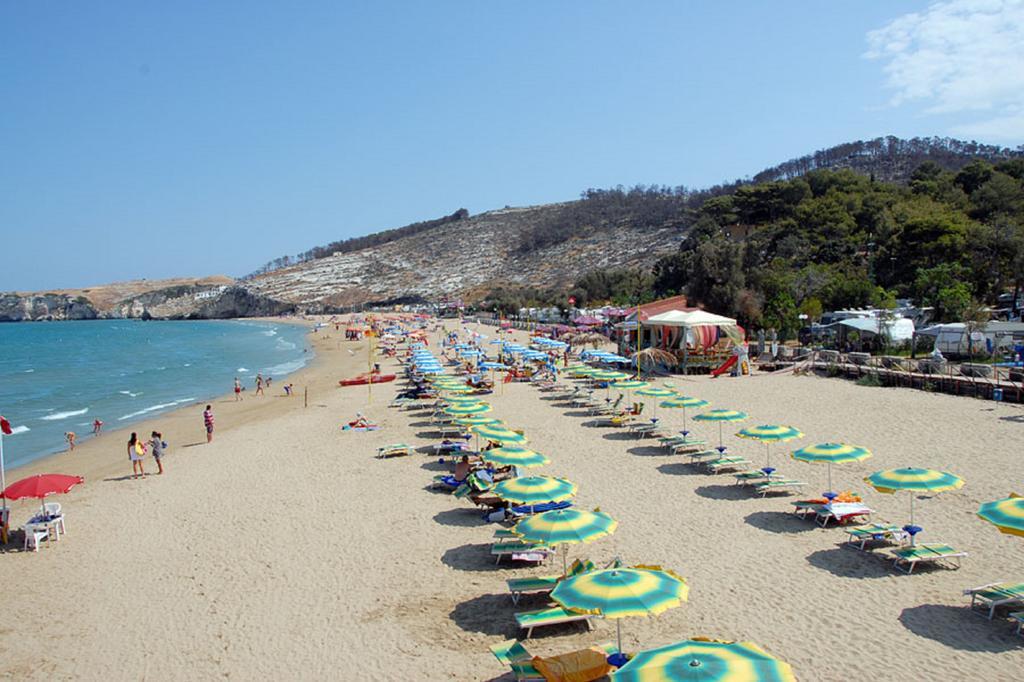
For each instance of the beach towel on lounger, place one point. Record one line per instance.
(576, 666)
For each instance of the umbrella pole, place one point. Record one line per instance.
(685, 432)
(721, 442)
(618, 631)
(830, 477)
(565, 557)
(3, 476)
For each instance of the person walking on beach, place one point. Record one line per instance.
(238, 390)
(259, 384)
(208, 422)
(69, 436)
(97, 426)
(135, 452)
(157, 445)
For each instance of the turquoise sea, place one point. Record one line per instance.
(60, 376)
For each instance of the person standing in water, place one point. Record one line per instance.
(259, 384)
(238, 390)
(208, 422)
(97, 426)
(135, 452)
(69, 436)
(156, 444)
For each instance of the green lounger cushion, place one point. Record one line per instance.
(515, 547)
(1001, 591)
(549, 616)
(534, 584)
(872, 530)
(924, 552)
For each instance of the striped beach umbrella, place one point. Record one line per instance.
(515, 456)
(622, 592)
(467, 409)
(721, 416)
(913, 481)
(629, 384)
(681, 403)
(535, 489)
(565, 527)
(831, 453)
(705, 661)
(1007, 514)
(609, 375)
(477, 421)
(768, 434)
(499, 434)
(655, 392)
(453, 388)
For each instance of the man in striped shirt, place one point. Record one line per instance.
(208, 421)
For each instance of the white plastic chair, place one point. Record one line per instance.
(34, 532)
(53, 510)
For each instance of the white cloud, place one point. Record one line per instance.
(959, 56)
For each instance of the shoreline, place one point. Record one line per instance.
(87, 454)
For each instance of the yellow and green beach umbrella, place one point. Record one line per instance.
(913, 481)
(609, 375)
(622, 592)
(705, 661)
(831, 453)
(768, 434)
(565, 527)
(535, 489)
(461, 400)
(629, 384)
(499, 434)
(454, 388)
(681, 403)
(467, 409)
(513, 456)
(477, 421)
(721, 416)
(655, 392)
(1007, 514)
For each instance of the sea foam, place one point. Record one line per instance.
(63, 415)
(154, 408)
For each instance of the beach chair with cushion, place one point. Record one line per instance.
(393, 450)
(580, 666)
(726, 463)
(34, 534)
(543, 584)
(645, 429)
(553, 615)
(907, 558)
(520, 551)
(842, 513)
(778, 485)
(860, 536)
(995, 595)
(805, 508)
(686, 447)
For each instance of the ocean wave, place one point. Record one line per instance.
(129, 393)
(29, 371)
(19, 429)
(154, 408)
(269, 332)
(63, 415)
(285, 345)
(241, 369)
(285, 368)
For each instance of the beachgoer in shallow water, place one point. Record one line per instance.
(70, 438)
(259, 384)
(156, 444)
(97, 426)
(208, 422)
(135, 452)
(238, 390)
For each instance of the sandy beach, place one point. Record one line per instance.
(285, 549)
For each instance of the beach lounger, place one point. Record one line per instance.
(907, 558)
(520, 511)
(542, 584)
(756, 477)
(726, 464)
(394, 450)
(994, 595)
(802, 508)
(584, 664)
(842, 513)
(555, 615)
(1019, 617)
(860, 536)
(687, 447)
(645, 429)
(783, 485)
(521, 551)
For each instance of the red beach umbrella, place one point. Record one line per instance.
(40, 485)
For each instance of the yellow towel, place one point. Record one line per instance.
(576, 666)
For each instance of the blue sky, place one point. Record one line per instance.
(193, 138)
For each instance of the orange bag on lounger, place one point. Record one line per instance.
(576, 666)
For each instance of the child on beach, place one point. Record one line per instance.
(238, 390)
(135, 452)
(157, 445)
(70, 438)
(97, 426)
(208, 422)
(288, 390)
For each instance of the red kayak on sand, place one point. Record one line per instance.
(364, 379)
